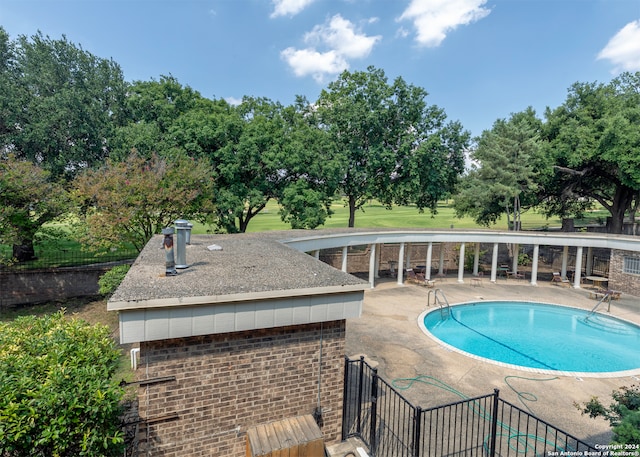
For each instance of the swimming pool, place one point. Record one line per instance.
(538, 336)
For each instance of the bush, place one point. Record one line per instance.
(623, 414)
(110, 281)
(57, 396)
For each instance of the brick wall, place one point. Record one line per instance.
(34, 286)
(228, 383)
(618, 280)
(358, 257)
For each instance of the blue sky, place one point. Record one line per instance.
(479, 60)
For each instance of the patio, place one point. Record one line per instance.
(387, 333)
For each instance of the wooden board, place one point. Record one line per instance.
(292, 437)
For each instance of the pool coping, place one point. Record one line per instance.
(575, 374)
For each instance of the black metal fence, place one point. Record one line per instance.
(487, 425)
(65, 258)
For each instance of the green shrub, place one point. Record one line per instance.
(623, 414)
(57, 395)
(110, 281)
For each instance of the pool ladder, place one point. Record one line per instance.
(607, 298)
(441, 300)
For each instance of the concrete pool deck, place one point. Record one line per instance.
(388, 334)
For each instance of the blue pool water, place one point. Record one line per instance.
(537, 335)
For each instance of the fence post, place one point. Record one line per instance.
(359, 411)
(345, 398)
(373, 444)
(494, 424)
(417, 431)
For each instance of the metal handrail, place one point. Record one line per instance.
(607, 296)
(442, 301)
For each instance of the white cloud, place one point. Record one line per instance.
(341, 40)
(433, 19)
(623, 50)
(340, 35)
(289, 7)
(233, 100)
(306, 62)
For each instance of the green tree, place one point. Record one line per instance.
(260, 150)
(153, 111)
(61, 104)
(594, 144)
(247, 169)
(396, 148)
(623, 414)
(57, 393)
(28, 199)
(129, 201)
(311, 167)
(504, 179)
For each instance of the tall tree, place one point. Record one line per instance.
(68, 100)
(311, 165)
(504, 179)
(28, 199)
(594, 142)
(153, 110)
(129, 201)
(247, 167)
(391, 140)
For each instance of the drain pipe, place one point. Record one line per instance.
(167, 245)
(183, 230)
(317, 412)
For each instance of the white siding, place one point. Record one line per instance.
(165, 323)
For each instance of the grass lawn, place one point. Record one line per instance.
(375, 215)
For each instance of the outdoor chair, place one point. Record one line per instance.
(476, 281)
(418, 278)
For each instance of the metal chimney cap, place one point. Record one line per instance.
(181, 223)
(168, 231)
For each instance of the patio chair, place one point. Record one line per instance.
(419, 278)
(476, 281)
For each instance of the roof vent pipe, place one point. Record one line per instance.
(167, 245)
(189, 227)
(182, 227)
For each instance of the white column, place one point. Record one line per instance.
(377, 268)
(400, 264)
(565, 260)
(476, 259)
(316, 254)
(494, 262)
(588, 270)
(427, 263)
(461, 264)
(534, 265)
(514, 264)
(345, 251)
(441, 264)
(576, 280)
(372, 265)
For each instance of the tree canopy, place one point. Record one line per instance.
(594, 146)
(505, 176)
(59, 103)
(130, 201)
(28, 199)
(70, 113)
(396, 147)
